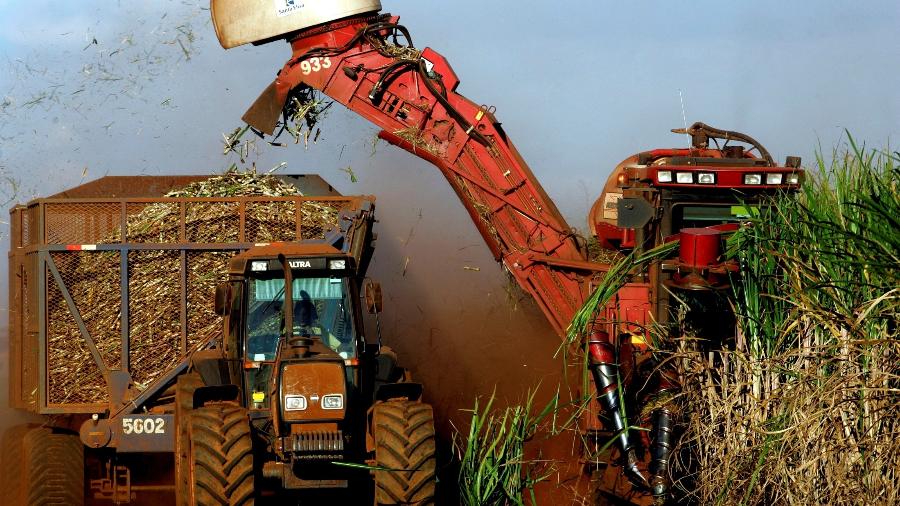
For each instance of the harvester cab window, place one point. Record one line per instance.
(322, 310)
(698, 216)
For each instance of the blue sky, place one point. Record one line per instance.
(578, 86)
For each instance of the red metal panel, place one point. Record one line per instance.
(634, 307)
(699, 247)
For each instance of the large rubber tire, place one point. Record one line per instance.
(221, 456)
(12, 465)
(184, 404)
(54, 468)
(405, 447)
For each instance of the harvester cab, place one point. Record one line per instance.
(695, 195)
(669, 190)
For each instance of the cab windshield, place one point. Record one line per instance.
(322, 310)
(705, 215)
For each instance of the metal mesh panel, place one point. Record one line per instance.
(28, 310)
(209, 222)
(29, 334)
(205, 270)
(154, 304)
(320, 216)
(153, 223)
(92, 278)
(73, 376)
(26, 228)
(270, 221)
(30, 231)
(83, 223)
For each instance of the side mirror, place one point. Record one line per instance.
(373, 297)
(223, 299)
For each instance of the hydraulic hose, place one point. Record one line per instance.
(604, 370)
(660, 451)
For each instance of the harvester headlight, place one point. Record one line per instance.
(337, 264)
(664, 176)
(793, 178)
(706, 178)
(684, 177)
(333, 401)
(294, 403)
(752, 178)
(256, 266)
(774, 178)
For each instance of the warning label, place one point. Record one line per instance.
(610, 203)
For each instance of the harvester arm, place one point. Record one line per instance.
(370, 66)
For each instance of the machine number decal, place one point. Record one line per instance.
(314, 65)
(143, 426)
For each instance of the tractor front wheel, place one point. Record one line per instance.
(404, 453)
(221, 456)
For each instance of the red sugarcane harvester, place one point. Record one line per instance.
(367, 62)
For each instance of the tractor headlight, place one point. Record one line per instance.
(294, 403)
(793, 178)
(684, 177)
(664, 176)
(752, 178)
(773, 178)
(706, 178)
(333, 401)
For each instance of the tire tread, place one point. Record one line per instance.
(405, 446)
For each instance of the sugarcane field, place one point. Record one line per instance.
(658, 262)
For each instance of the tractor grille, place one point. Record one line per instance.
(317, 445)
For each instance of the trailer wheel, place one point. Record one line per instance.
(12, 468)
(53, 468)
(405, 448)
(221, 456)
(184, 403)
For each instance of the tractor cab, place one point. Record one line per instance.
(294, 324)
(294, 363)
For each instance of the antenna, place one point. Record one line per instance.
(683, 115)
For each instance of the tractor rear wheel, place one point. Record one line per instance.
(12, 464)
(221, 456)
(405, 449)
(53, 468)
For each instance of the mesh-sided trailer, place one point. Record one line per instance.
(111, 288)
